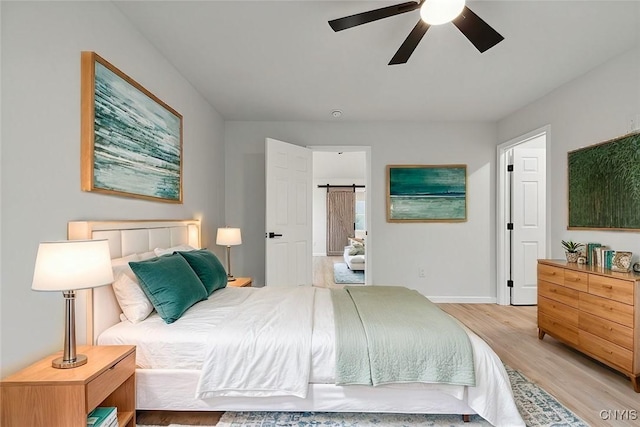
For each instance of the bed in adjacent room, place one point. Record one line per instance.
(279, 349)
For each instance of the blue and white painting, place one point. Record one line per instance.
(137, 140)
(427, 193)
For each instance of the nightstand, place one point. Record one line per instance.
(41, 395)
(240, 282)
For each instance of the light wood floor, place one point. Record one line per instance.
(580, 383)
(323, 271)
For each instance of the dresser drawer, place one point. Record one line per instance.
(104, 384)
(558, 329)
(616, 289)
(607, 309)
(576, 280)
(606, 351)
(559, 293)
(610, 331)
(551, 274)
(557, 310)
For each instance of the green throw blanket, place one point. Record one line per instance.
(391, 334)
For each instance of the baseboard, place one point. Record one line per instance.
(320, 254)
(462, 300)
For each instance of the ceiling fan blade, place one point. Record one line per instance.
(476, 30)
(410, 43)
(372, 15)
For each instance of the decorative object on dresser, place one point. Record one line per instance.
(228, 237)
(571, 250)
(241, 282)
(424, 193)
(621, 261)
(67, 266)
(41, 396)
(605, 172)
(131, 140)
(594, 310)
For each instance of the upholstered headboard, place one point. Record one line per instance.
(97, 309)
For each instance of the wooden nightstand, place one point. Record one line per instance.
(240, 282)
(41, 395)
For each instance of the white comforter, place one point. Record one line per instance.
(246, 312)
(264, 350)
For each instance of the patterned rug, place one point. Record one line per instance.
(537, 407)
(342, 274)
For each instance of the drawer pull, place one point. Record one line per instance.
(607, 286)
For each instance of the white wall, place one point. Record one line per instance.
(459, 258)
(41, 45)
(593, 108)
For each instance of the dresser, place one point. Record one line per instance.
(594, 310)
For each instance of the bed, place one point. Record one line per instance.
(170, 366)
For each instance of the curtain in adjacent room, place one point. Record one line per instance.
(340, 219)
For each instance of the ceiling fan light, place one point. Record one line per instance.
(436, 12)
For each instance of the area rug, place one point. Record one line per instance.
(537, 407)
(342, 274)
(173, 425)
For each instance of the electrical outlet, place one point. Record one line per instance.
(421, 272)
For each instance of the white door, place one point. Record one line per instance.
(288, 236)
(529, 219)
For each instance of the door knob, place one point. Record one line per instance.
(271, 235)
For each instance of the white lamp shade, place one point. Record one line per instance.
(72, 264)
(436, 12)
(228, 236)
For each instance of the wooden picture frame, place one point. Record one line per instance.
(604, 185)
(131, 141)
(426, 193)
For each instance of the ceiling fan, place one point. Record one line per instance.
(432, 12)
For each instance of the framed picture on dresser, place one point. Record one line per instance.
(131, 141)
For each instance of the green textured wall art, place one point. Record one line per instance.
(604, 185)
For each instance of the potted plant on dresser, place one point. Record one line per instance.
(571, 250)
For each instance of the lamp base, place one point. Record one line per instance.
(230, 278)
(60, 363)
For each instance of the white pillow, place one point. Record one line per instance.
(132, 300)
(143, 256)
(182, 248)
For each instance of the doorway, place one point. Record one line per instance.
(521, 216)
(340, 168)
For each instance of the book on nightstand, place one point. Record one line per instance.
(106, 416)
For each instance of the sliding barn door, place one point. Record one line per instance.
(340, 219)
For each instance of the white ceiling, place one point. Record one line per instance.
(280, 60)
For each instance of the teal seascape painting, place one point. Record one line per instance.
(417, 193)
(137, 139)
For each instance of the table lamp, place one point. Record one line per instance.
(67, 266)
(228, 237)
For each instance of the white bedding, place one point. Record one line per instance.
(182, 345)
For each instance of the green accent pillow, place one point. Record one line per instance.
(170, 284)
(208, 268)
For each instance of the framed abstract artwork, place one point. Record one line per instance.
(426, 193)
(604, 185)
(131, 141)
